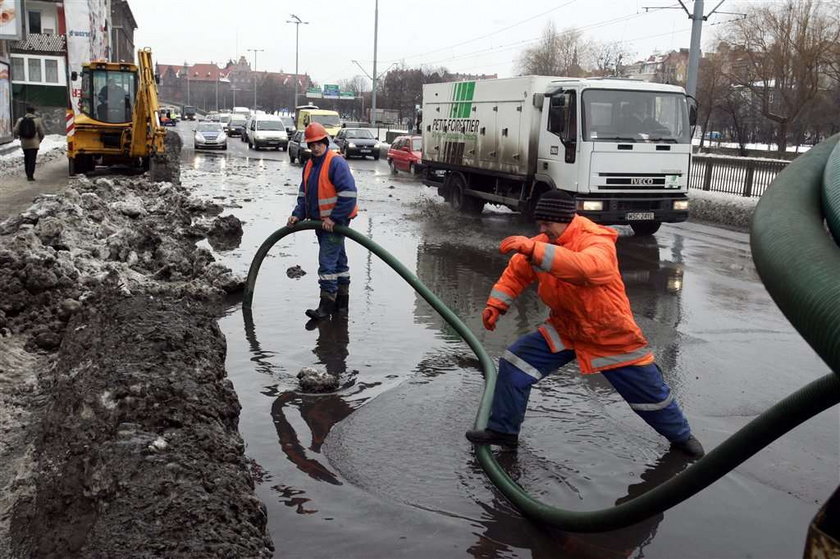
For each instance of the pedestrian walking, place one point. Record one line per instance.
(328, 193)
(30, 130)
(573, 261)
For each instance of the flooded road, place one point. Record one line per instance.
(381, 468)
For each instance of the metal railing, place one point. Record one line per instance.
(743, 176)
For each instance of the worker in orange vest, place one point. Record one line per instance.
(574, 263)
(328, 193)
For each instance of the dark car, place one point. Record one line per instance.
(406, 154)
(236, 125)
(357, 142)
(298, 150)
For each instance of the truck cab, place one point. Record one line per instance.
(331, 120)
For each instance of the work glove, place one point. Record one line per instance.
(520, 244)
(489, 316)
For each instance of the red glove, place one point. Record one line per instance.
(489, 317)
(520, 244)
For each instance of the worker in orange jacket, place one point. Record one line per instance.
(574, 263)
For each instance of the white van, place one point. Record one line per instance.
(267, 131)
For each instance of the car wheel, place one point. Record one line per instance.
(291, 158)
(411, 170)
(376, 157)
(393, 166)
(250, 145)
(224, 146)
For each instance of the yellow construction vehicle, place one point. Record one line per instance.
(117, 122)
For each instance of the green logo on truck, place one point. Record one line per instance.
(463, 96)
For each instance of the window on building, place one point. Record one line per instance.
(34, 21)
(18, 69)
(34, 70)
(51, 71)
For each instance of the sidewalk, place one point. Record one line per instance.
(17, 193)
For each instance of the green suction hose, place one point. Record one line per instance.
(797, 408)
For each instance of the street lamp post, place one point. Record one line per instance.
(255, 51)
(297, 21)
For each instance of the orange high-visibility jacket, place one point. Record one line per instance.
(327, 195)
(578, 279)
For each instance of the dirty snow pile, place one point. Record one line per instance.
(53, 146)
(136, 232)
(721, 208)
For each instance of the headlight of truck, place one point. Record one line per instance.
(592, 205)
(681, 205)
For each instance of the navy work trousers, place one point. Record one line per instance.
(332, 261)
(529, 360)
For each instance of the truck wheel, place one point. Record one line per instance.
(643, 228)
(71, 168)
(462, 202)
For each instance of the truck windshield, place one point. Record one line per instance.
(634, 116)
(326, 120)
(108, 95)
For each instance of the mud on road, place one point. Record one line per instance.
(119, 434)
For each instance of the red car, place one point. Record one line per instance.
(406, 154)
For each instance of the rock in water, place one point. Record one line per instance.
(317, 380)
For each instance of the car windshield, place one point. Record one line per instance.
(360, 134)
(417, 144)
(326, 120)
(208, 127)
(638, 116)
(270, 125)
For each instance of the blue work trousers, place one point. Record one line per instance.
(529, 360)
(332, 261)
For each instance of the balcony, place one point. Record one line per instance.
(39, 43)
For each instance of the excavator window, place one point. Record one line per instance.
(108, 95)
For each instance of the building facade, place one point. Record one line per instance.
(122, 32)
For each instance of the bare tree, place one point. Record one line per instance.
(783, 50)
(556, 54)
(608, 58)
(712, 88)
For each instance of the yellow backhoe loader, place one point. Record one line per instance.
(117, 122)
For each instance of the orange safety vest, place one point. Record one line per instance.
(327, 195)
(579, 280)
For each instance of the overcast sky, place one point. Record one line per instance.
(469, 36)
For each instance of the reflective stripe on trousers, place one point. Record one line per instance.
(529, 359)
(332, 261)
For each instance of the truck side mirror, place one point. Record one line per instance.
(692, 110)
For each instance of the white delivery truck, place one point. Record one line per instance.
(620, 147)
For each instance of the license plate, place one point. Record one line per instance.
(639, 216)
(364, 150)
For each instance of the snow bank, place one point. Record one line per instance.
(720, 208)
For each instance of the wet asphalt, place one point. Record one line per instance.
(380, 468)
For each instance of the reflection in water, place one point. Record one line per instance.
(319, 412)
(503, 526)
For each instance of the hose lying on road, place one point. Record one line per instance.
(797, 408)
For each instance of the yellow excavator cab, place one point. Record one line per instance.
(117, 121)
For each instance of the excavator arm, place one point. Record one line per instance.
(147, 137)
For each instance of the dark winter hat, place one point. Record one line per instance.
(556, 206)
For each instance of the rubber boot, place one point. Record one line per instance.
(325, 307)
(342, 300)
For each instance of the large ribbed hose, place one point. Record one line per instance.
(781, 263)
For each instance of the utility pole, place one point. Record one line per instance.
(375, 37)
(297, 21)
(697, 18)
(255, 51)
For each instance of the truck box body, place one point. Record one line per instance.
(622, 146)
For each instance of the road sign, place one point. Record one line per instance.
(331, 91)
(314, 93)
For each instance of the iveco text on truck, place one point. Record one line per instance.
(620, 147)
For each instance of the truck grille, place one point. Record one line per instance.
(631, 180)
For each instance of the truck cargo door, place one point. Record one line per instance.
(511, 152)
(488, 141)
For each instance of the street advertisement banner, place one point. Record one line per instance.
(87, 39)
(11, 20)
(6, 124)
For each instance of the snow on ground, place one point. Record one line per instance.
(722, 208)
(755, 147)
(52, 147)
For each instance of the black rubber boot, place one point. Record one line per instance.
(691, 446)
(489, 436)
(325, 307)
(342, 300)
